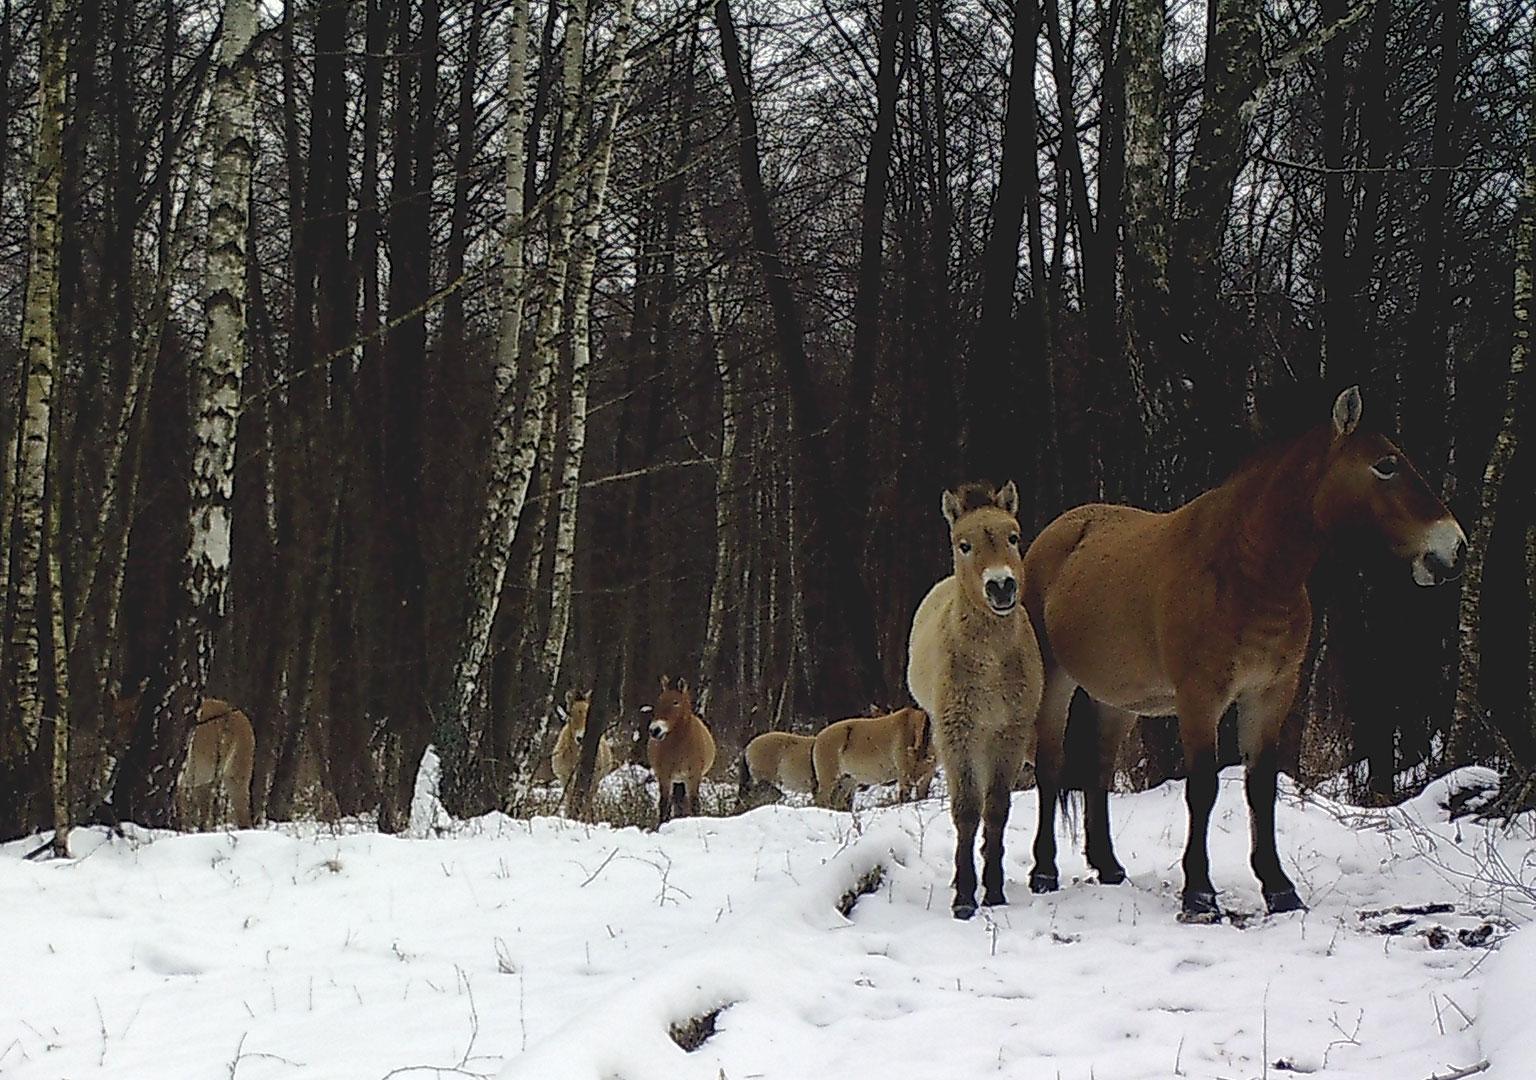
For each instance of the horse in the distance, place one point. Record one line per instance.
(680, 749)
(894, 748)
(1191, 611)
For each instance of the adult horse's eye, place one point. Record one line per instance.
(965, 547)
(1386, 468)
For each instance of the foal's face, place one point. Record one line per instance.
(1368, 482)
(578, 704)
(673, 705)
(988, 549)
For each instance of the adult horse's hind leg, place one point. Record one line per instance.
(1050, 761)
(1259, 718)
(965, 808)
(1113, 724)
(1197, 731)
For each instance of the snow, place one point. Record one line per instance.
(548, 949)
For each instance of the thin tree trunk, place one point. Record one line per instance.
(147, 790)
(843, 575)
(1469, 735)
(31, 545)
(726, 477)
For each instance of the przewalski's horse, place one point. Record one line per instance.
(874, 750)
(780, 759)
(1191, 611)
(681, 750)
(215, 781)
(567, 753)
(974, 665)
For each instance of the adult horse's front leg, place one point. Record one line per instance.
(1050, 760)
(664, 801)
(1198, 718)
(1260, 716)
(965, 808)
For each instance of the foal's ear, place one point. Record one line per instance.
(570, 698)
(1346, 412)
(1008, 498)
(952, 507)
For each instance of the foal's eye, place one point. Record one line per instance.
(965, 547)
(1013, 538)
(1386, 468)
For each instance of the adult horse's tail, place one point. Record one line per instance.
(743, 780)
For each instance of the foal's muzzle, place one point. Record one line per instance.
(1002, 592)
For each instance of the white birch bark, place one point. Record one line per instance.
(608, 106)
(725, 478)
(40, 347)
(216, 404)
(498, 519)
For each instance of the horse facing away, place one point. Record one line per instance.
(1191, 611)
(973, 664)
(780, 759)
(215, 778)
(680, 749)
(874, 750)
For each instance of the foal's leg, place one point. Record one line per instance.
(1113, 724)
(1259, 718)
(965, 808)
(1198, 718)
(998, 795)
(1050, 758)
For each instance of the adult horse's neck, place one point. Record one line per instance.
(1275, 539)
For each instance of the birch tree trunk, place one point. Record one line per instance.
(498, 520)
(726, 496)
(1146, 244)
(148, 783)
(1468, 735)
(608, 106)
(33, 549)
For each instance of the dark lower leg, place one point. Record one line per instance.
(664, 804)
(999, 793)
(1043, 877)
(1101, 849)
(1200, 795)
(966, 812)
(1279, 892)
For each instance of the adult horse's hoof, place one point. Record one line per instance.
(996, 899)
(1283, 901)
(1043, 883)
(1200, 908)
(963, 909)
(1112, 876)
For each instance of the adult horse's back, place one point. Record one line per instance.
(1191, 611)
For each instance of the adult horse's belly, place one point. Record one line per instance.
(1100, 613)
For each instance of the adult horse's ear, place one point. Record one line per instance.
(570, 698)
(1008, 498)
(951, 507)
(682, 686)
(1346, 411)
(666, 682)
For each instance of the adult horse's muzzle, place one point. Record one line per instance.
(1443, 555)
(658, 732)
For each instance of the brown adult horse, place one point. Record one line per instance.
(1191, 611)
(680, 749)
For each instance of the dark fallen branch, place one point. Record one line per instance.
(1407, 909)
(1462, 1074)
(863, 887)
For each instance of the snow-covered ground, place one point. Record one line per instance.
(544, 949)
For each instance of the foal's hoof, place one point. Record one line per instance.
(963, 909)
(1200, 908)
(995, 899)
(1114, 875)
(1283, 901)
(1043, 883)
